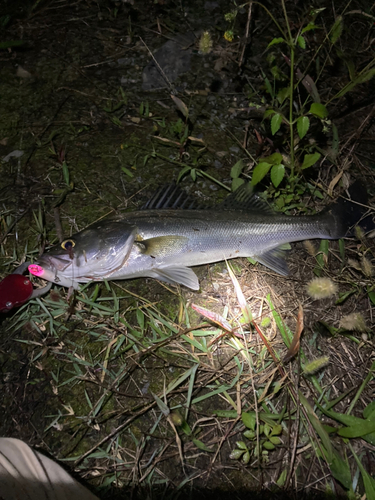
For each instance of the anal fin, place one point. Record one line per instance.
(275, 260)
(176, 275)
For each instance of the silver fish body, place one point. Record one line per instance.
(164, 243)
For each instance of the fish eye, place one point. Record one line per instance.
(68, 244)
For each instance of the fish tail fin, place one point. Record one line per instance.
(350, 212)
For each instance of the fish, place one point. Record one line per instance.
(170, 235)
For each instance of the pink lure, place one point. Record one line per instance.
(15, 290)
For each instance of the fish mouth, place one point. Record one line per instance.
(55, 262)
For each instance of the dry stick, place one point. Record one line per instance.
(114, 432)
(357, 134)
(246, 34)
(159, 68)
(58, 226)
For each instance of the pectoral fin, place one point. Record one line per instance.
(181, 275)
(162, 246)
(274, 259)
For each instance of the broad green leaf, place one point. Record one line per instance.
(368, 481)
(276, 123)
(319, 110)
(269, 112)
(186, 428)
(249, 434)
(358, 430)
(249, 420)
(361, 78)
(162, 406)
(202, 446)
(283, 94)
(303, 124)
(183, 172)
(225, 413)
(268, 86)
(348, 420)
(371, 296)
(180, 105)
(236, 169)
(12, 43)
(65, 173)
(340, 470)
(318, 428)
(310, 160)
(236, 454)
(301, 42)
(321, 257)
(343, 296)
(275, 41)
(277, 174)
(268, 445)
(273, 159)
(282, 478)
(369, 411)
(236, 183)
(260, 171)
(127, 171)
(336, 30)
(275, 440)
(365, 76)
(310, 26)
(246, 457)
(241, 445)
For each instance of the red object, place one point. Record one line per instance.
(15, 290)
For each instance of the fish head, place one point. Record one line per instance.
(92, 254)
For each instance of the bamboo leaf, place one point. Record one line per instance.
(202, 446)
(340, 470)
(322, 433)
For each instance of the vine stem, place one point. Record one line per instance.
(291, 126)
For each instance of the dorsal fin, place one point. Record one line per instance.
(244, 198)
(172, 196)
